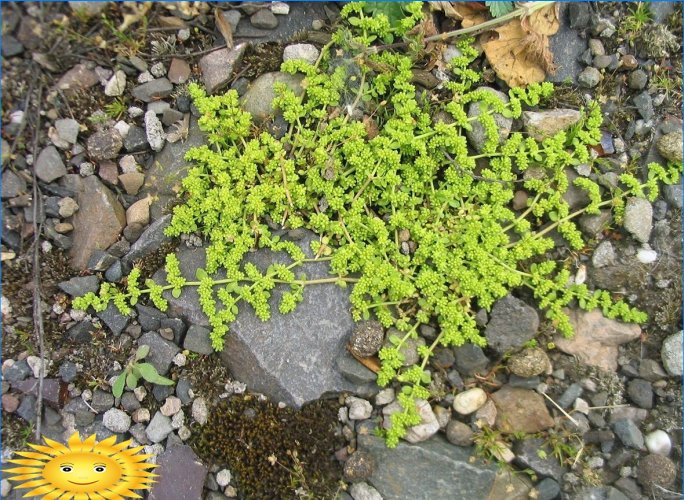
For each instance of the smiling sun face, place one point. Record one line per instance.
(84, 469)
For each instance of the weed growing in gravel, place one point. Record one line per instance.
(419, 226)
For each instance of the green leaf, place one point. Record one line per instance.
(393, 10)
(118, 387)
(498, 9)
(132, 380)
(150, 374)
(201, 274)
(341, 283)
(142, 351)
(149, 283)
(394, 340)
(134, 300)
(175, 293)
(354, 21)
(426, 378)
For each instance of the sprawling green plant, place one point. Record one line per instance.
(421, 227)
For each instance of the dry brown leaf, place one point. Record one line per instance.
(515, 54)
(224, 27)
(469, 13)
(372, 362)
(544, 21)
(137, 12)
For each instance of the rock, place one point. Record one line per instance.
(671, 354)
(470, 359)
(669, 146)
(658, 442)
(116, 420)
(132, 182)
(528, 456)
(158, 428)
(153, 90)
(183, 474)
(431, 469)
(80, 285)
(290, 358)
(596, 338)
(11, 46)
(179, 71)
(512, 324)
(139, 212)
(410, 348)
(469, 401)
(105, 144)
(359, 467)
(529, 363)
(644, 105)
(98, 222)
(259, 97)
(604, 255)
(68, 371)
(628, 432)
(673, 195)
(113, 319)
(364, 491)
(76, 79)
(154, 131)
(367, 338)
(637, 80)
(217, 67)
(543, 124)
(67, 207)
(570, 395)
(199, 411)
(354, 371)
(459, 434)
(136, 140)
(305, 51)
(264, 19)
(171, 406)
(520, 410)
(476, 135)
(49, 165)
(27, 408)
(80, 332)
(589, 77)
(161, 353)
(359, 409)
(280, 8)
(100, 261)
(116, 84)
(639, 218)
(68, 129)
(13, 185)
(171, 116)
(640, 393)
(149, 241)
(197, 340)
(223, 478)
(102, 401)
(427, 428)
(656, 470)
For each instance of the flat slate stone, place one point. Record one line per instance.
(181, 473)
(425, 471)
(290, 358)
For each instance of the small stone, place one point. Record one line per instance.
(68, 129)
(359, 409)
(384, 397)
(77, 78)
(153, 90)
(264, 19)
(217, 67)
(529, 363)
(596, 47)
(139, 212)
(364, 491)
(367, 338)
(158, 428)
(589, 77)
(637, 80)
(604, 255)
(116, 420)
(644, 105)
(132, 182)
(141, 415)
(469, 401)
(570, 395)
(280, 8)
(135, 112)
(428, 427)
(359, 467)
(521, 410)
(67, 207)
(656, 470)
(639, 218)
(603, 61)
(158, 107)
(459, 434)
(197, 340)
(647, 255)
(49, 165)
(477, 135)
(547, 489)
(104, 145)
(154, 131)
(10, 403)
(512, 323)
(199, 411)
(102, 401)
(158, 70)
(629, 433)
(86, 168)
(543, 124)
(671, 354)
(317, 24)
(171, 116)
(629, 62)
(116, 84)
(305, 51)
(670, 146)
(171, 406)
(223, 478)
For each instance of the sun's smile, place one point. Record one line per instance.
(96, 470)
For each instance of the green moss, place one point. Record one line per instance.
(273, 451)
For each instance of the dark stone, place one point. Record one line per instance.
(100, 261)
(526, 454)
(68, 371)
(149, 241)
(161, 353)
(114, 272)
(629, 488)
(18, 371)
(580, 15)
(105, 144)
(359, 467)
(183, 387)
(113, 319)
(644, 105)
(566, 44)
(11, 46)
(136, 140)
(49, 165)
(470, 359)
(547, 489)
(82, 414)
(512, 324)
(80, 285)
(183, 103)
(151, 91)
(27, 408)
(80, 332)
(523, 382)
(161, 392)
(629, 433)
(13, 185)
(570, 395)
(656, 470)
(50, 389)
(176, 325)
(183, 475)
(354, 371)
(102, 401)
(197, 340)
(640, 392)
(149, 317)
(171, 116)
(431, 469)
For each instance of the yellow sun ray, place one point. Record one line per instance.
(83, 470)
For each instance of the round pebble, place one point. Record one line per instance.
(529, 363)
(469, 401)
(658, 442)
(656, 470)
(358, 467)
(459, 433)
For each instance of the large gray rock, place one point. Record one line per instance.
(98, 222)
(181, 474)
(429, 470)
(291, 357)
(258, 100)
(512, 324)
(163, 179)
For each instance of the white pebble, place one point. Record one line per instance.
(122, 127)
(280, 8)
(658, 442)
(223, 478)
(646, 255)
(6, 307)
(359, 409)
(469, 401)
(135, 111)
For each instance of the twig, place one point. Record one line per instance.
(37, 306)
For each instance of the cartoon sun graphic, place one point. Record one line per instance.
(83, 470)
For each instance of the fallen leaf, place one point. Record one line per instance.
(180, 129)
(469, 13)
(224, 27)
(138, 12)
(372, 362)
(544, 21)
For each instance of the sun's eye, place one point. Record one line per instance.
(100, 468)
(66, 468)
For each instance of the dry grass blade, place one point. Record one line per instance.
(224, 27)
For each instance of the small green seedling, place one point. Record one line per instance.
(135, 370)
